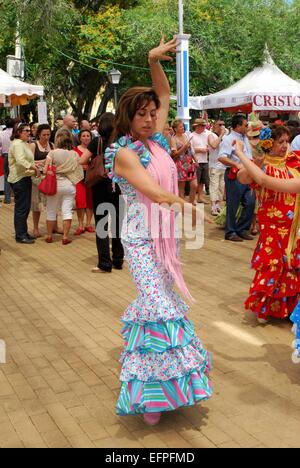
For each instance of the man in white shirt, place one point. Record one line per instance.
(236, 193)
(216, 168)
(296, 143)
(199, 144)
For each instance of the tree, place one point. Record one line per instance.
(70, 45)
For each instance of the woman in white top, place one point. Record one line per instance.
(68, 173)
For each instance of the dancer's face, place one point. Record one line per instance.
(144, 121)
(281, 145)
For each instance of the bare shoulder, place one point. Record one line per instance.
(126, 156)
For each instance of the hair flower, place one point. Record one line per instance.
(266, 144)
(265, 134)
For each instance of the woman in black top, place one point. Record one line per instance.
(104, 193)
(40, 148)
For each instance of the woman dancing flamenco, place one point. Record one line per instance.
(164, 365)
(291, 186)
(276, 286)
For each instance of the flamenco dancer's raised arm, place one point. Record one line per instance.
(160, 81)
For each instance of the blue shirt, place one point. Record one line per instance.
(228, 150)
(296, 143)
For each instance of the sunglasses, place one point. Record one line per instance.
(28, 131)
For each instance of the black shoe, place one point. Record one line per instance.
(233, 238)
(106, 269)
(25, 240)
(245, 236)
(118, 265)
(30, 237)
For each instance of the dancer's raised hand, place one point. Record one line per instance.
(160, 52)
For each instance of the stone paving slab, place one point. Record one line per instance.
(61, 326)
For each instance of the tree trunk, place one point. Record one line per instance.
(108, 94)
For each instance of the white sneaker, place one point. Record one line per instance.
(262, 321)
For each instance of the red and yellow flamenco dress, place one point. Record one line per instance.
(275, 290)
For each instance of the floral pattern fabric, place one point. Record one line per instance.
(186, 166)
(276, 287)
(164, 365)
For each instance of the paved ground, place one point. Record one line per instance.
(61, 326)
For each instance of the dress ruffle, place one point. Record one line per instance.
(136, 146)
(138, 397)
(151, 308)
(295, 318)
(158, 337)
(172, 364)
(275, 289)
(274, 293)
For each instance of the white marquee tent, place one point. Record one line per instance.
(17, 92)
(266, 88)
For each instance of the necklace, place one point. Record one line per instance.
(46, 147)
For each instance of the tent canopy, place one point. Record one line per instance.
(266, 88)
(18, 91)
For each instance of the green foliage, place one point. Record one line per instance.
(100, 35)
(61, 37)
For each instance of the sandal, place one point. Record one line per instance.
(99, 270)
(79, 231)
(66, 242)
(49, 239)
(90, 229)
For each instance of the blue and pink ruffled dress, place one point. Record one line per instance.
(295, 318)
(164, 365)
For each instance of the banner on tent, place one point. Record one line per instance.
(276, 102)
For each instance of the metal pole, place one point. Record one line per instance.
(116, 96)
(180, 16)
(18, 48)
(182, 58)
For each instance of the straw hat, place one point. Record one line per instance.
(255, 129)
(199, 122)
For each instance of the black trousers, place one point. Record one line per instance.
(105, 202)
(22, 193)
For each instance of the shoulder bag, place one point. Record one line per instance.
(96, 171)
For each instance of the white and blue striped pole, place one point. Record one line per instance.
(183, 88)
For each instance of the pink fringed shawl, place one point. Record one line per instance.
(161, 221)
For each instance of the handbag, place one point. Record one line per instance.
(96, 171)
(48, 186)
